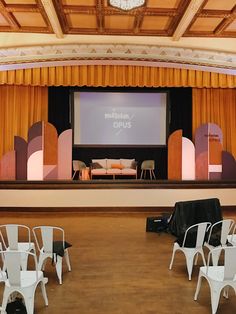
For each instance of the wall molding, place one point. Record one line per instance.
(71, 54)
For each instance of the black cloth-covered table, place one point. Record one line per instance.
(188, 213)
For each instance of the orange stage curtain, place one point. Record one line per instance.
(116, 75)
(216, 106)
(20, 107)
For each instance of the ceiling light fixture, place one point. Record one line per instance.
(126, 4)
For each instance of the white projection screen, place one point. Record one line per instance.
(120, 118)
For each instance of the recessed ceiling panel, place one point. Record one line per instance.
(155, 23)
(82, 21)
(29, 19)
(231, 27)
(220, 5)
(119, 22)
(3, 21)
(168, 4)
(205, 24)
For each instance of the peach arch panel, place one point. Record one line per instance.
(175, 155)
(50, 144)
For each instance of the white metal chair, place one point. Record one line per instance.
(219, 277)
(148, 166)
(77, 165)
(9, 234)
(45, 237)
(231, 238)
(22, 281)
(217, 237)
(197, 233)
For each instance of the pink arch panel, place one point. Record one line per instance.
(8, 166)
(35, 166)
(188, 159)
(35, 130)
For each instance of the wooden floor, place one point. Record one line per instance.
(118, 268)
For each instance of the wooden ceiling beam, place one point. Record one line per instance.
(9, 17)
(226, 22)
(53, 18)
(187, 18)
(100, 15)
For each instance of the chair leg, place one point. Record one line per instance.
(67, 259)
(153, 174)
(59, 268)
(44, 293)
(29, 301)
(189, 261)
(199, 282)
(74, 175)
(42, 262)
(6, 295)
(141, 176)
(172, 257)
(215, 297)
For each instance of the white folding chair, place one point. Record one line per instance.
(217, 237)
(219, 277)
(45, 237)
(231, 238)
(197, 233)
(10, 234)
(22, 281)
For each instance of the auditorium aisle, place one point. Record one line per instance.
(118, 268)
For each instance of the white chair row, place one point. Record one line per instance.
(50, 242)
(21, 281)
(216, 238)
(200, 235)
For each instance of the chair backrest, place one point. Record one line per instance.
(229, 262)
(12, 262)
(148, 164)
(200, 233)
(45, 235)
(10, 235)
(219, 231)
(78, 165)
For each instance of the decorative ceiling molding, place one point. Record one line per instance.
(148, 53)
(187, 18)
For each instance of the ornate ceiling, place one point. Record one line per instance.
(187, 32)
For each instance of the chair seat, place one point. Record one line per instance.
(215, 273)
(24, 246)
(27, 278)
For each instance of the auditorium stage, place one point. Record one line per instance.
(112, 195)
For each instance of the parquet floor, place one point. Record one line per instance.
(118, 268)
